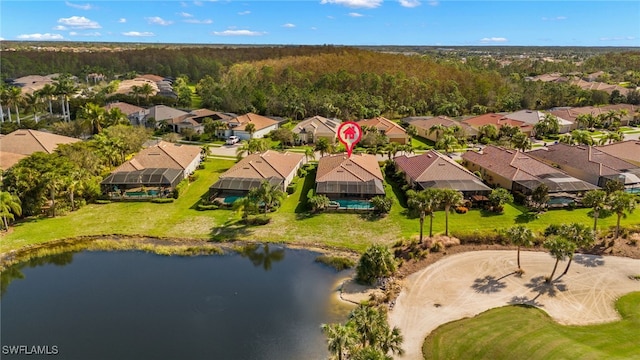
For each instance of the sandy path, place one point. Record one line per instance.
(467, 284)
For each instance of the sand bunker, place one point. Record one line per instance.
(467, 284)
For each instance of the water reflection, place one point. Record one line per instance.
(261, 255)
(15, 272)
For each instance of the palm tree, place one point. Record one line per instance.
(146, 90)
(487, 131)
(14, 98)
(521, 236)
(94, 117)
(250, 128)
(309, 153)
(581, 137)
(611, 136)
(392, 149)
(367, 321)
(447, 143)
(438, 129)
(340, 339)
(425, 202)
(559, 249)
(412, 132)
(621, 203)
(269, 195)
(34, 102)
(63, 87)
(10, 206)
(323, 146)
(449, 198)
(587, 120)
(521, 141)
(115, 116)
(596, 200)
(135, 91)
(578, 234)
(390, 340)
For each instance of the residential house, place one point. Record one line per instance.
(356, 177)
(590, 164)
(274, 167)
(168, 115)
(498, 120)
(571, 113)
(532, 117)
(165, 155)
(313, 128)
(262, 126)
(423, 125)
(517, 171)
(393, 131)
(24, 142)
(626, 150)
(135, 114)
(138, 184)
(436, 171)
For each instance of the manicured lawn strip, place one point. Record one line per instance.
(418, 142)
(522, 332)
(290, 224)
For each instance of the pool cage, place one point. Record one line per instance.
(350, 189)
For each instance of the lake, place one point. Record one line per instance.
(266, 304)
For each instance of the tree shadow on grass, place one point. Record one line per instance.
(488, 213)
(526, 217)
(202, 200)
(230, 231)
(589, 260)
(308, 184)
(542, 287)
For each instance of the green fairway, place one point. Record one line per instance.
(523, 332)
(290, 224)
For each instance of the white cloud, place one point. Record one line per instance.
(122, 20)
(1, 38)
(79, 22)
(60, 28)
(434, 3)
(238, 33)
(369, 4)
(185, 14)
(493, 40)
(197, 3)
(36, 36)
(330, 17)
(355, 14)
(314, 28)
(157, 20)
(617, 38)
(196, 21)
(289, 25)
(409, 3)
(73, 33)
(138, 33)
(247, 12)
(78, 6)
(557, 18)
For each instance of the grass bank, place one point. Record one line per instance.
(525, 332)
(291, 224)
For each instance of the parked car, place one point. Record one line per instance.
(232, 140)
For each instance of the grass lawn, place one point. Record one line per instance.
(290, 224)
(522, 332)
(420, 143)
(196, 100)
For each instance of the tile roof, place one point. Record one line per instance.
(126, 108)
(433, 166)
(162, 155)
(627, 150)
(265, 165)
(339, 167)
(318, 125)
(163, 112)
(383, 124)
(426, 122)
(26, 142)
(260, 122)
(8, 159)
(517, 166)
(497, 120)
(587, 158)
(571, 114)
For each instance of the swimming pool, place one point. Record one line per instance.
(354, 204)
(560, 201)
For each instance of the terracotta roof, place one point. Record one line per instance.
(265, 165)
(498, 121)
(260, 122)
(203, 113)
(571, 114)
(586, 158)
(163, 155)
(339, 167)
(152, 77)
(318, 125)
(26, 142)
(627, 150)
(433, 166)
(126, 108)
(8, 159)
(383, 124)
(428, 121)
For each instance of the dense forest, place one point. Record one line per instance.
(347, 82)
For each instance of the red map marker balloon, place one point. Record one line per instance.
(349, 133)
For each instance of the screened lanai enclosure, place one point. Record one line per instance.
(228, 189)
(350, 189)
(140, 184)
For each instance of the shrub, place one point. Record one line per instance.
(302, 172)
(291, 188)
(461, 210)
(162, 200)
(203, 207)
(193, 177)
(382, 204)
(376, 262)
(201, 166)
(101, 201)
(258, 220)
(552, 229)
(437, 246)
(337, 262)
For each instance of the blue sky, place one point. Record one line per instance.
(339, 22)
